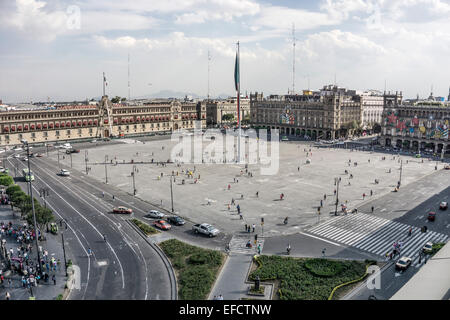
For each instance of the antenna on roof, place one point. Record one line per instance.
(209, 59)
(128, 75)
(293, 58)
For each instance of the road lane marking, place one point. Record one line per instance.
(90, 223)
(333, 243)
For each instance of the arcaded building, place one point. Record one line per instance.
(418, 126)
(98, 121)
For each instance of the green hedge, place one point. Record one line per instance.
(197, 268)
(6, 180)
(307, 279)
(148, 230)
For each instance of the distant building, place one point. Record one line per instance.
(217, 109)
(419, 126)
(101, 120)
(329, 113)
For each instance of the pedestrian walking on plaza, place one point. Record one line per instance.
(364, 195)
(54, 280)
(334, 191)
(321, 203)
(372, 209)
(371, 193)
(229, 186)
(228, 207)
(257, 194)
(7, 295)
(253, 227)
(114, 197)
(245, 227)
(248, 229)
(323, 252)
(324, 197)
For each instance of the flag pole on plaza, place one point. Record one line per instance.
(238, 87)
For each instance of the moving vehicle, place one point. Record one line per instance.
(122, 210)
(206, 229)
(176, 220)
(163, 225)
(428, 247)
(154, 214)
(431, 216)
(69, 151)
(4, 170)
(64, 173)
(28, 175)
(443, 205)
(39, 155)
(403, 263)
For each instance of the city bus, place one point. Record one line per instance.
(28, 176)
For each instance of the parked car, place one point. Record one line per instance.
(206, 229)
(176, 220)
(403, 263)
(154, 214)
(122, 210)
(39, 155)
(431, 216)
(428, 247)
(69, 151)
(163, 225)
(443, 205)
(64, 173)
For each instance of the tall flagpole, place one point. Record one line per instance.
(239, 106)
(103, 84)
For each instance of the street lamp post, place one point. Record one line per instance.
(64, 249)
(401, 169)
(86, 160)
(32, 208)
(171, 191)
(106, 169)
(71, 159)
(337, 196)
(134, 184)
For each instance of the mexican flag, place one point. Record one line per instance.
(236, 73)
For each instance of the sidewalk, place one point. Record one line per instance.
(43, 291)
(231, 282)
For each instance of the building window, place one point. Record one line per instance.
(33, 135)
(57, 133)
(79, 131)
(68, 132)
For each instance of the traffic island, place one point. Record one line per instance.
(144, 227)
(306, 278)
(196, 268)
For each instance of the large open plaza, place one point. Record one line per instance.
(304, 178)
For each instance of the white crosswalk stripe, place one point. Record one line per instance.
(375, 235)
(238, 245)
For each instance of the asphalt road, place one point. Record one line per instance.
(124, 267)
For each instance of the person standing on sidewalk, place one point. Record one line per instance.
(7, 296)
(54, 280)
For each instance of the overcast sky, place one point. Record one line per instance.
(59, 48)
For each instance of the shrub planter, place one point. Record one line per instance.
(252, 292)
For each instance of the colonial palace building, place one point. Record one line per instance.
(75, 122)
(417, 126)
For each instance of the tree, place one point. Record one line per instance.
(11, 189)
(376, 127)
(6, 180)
(228, 117)
(43, 216)
(116, 99)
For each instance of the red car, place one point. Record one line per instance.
(162, 224)
(122, 210)
(431, 215)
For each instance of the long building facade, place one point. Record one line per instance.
(216, 109)
(422, 126)
(98, 121)
(330, 113)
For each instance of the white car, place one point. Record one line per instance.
(17, 155)
(428, 247)
(403, 263)
(443, 205)
(155, 214)
(64, 173)
(19, 149)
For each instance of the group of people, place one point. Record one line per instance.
(19, 260)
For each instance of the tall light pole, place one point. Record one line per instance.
(337, 196)
(106, 169)
(401, 169)
(32, 207)
(134, 184)
(64, 249)
(171, 191)
(86, 160)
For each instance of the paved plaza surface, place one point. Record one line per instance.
(303, 185)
